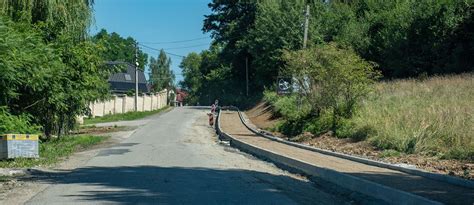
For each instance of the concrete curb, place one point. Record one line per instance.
(378, 191)
(414, 171)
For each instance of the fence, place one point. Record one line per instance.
(123, 104)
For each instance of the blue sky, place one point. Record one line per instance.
(159, 21)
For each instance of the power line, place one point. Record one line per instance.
(193, 46)
(155, 49)
(181, 41)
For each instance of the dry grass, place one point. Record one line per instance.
(433, 116)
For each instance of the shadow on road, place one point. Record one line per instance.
(177, 185)
(442, 192)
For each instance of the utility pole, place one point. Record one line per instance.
(305, 42)
(136, 76)
(306, 24)
(247, 73)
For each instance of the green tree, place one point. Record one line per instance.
(120, 49)
(331, 79)
(193, 77)
(50, 69)
(161, 75)
(229, 23)
(53, 17)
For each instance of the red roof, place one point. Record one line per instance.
(180, 95)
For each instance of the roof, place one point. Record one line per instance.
(181, 95)
(123, 82)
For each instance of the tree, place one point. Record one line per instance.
(50, 69)
(161, 75)
(52, 82)
(53, 17)
(118, 48)
(229, 23)
(332, 79)
(193, 78)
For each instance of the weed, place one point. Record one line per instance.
(53, 151)
(434, 116)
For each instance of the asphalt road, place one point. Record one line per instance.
(175, 158)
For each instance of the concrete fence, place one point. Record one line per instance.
(123, 104)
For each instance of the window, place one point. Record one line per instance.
(128, 77)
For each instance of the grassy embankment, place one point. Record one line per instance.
(432, 117)
(122, 116)
(53, 151)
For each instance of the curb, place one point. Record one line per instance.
(438, 177)
(378, 191)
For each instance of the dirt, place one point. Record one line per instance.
(435, 190)
(261, 115)
(100, 130)
(28, 186)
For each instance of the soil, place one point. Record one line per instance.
(261, 116)
(100, 130)
(28, 185)
(435, 190)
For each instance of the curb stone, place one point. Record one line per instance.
(372, 189)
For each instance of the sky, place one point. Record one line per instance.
(157, 24)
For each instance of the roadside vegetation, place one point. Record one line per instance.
(51, 69)
(54, 151)
(432, 116)
(123, 116)
(384, 72)
(402, 39)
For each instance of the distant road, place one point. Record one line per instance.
(175, 158)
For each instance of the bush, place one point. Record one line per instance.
(332, 79)
(16, 124)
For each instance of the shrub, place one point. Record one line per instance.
(331, 79)
(15, 124)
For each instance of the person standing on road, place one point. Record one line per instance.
(216, 106)
(213, 108)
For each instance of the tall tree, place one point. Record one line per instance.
(229, 23)
(118, 48)
(53, 17)
(161, 75)
(54, 70)
(193, 78)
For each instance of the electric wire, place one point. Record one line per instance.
(155, 49)
(181, 41)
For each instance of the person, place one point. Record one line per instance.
(216, 104)
(213, 108)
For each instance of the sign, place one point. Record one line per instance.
(284, 85)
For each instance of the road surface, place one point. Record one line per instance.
(175, 158)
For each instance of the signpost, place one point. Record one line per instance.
(284, 85)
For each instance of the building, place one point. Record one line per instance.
(122, 83)
(180, 97)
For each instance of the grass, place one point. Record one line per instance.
(4, 178)
(122, 116)
(433, 116)
(53, 151)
